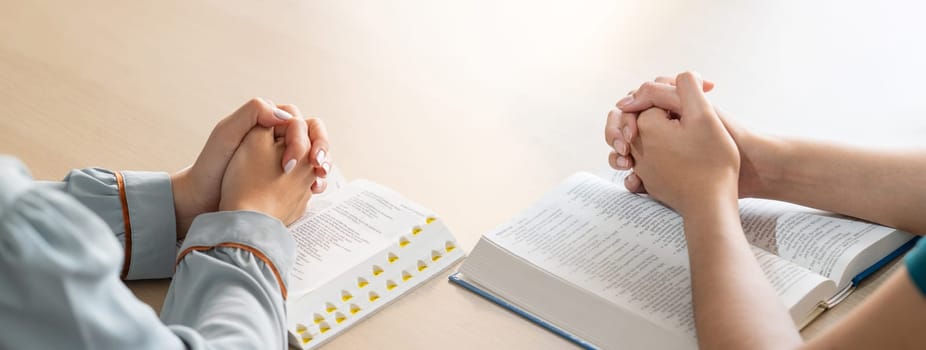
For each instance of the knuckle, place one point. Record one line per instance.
(611, 135)
(665, 80)
(646, 87)
(614, 112)
(292, 109)
(687, 76)
(225, 123)
(632, 181)
(255, 103)
(317, 128)
(298, 126)
(314, 121)
(613, 120)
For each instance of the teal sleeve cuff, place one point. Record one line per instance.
(256, 230)
(916, 265)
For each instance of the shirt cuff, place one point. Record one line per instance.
(139, 207)
(263, 236)
(151, 235)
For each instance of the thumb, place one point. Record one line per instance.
(230, 132)
(255, 112)
(693, 102)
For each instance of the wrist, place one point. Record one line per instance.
(180, 187)
(721, 199)
(763, 165)
(717, 211)
(242, 204)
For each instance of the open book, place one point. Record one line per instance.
(606, 268)
(360, 247)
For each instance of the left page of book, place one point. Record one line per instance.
(631, 250)
(360, 220)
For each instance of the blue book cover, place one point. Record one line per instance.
(878, 265)
(457, 279)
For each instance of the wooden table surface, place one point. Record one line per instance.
(472, 108)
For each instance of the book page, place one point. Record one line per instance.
(625, 248)
(336, 181)
(823, 243)
(361, 220)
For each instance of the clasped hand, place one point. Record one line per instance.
(263, 157)
(679, 148)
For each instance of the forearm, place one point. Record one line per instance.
(735, 306)
(878, 186)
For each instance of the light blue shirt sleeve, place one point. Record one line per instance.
(149, 235)
(60, 265)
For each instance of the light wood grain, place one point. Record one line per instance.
(473, 108)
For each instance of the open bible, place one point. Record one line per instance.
(607, 268)
(360, 247)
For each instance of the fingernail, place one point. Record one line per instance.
(281, 114)
(627, 133)
(327, 167)
(622, 162)
(625, 101)
(320, 157)
(289, 166)
(630, 181)
(319, 183)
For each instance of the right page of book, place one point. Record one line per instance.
(819, 241)
(627, 249)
